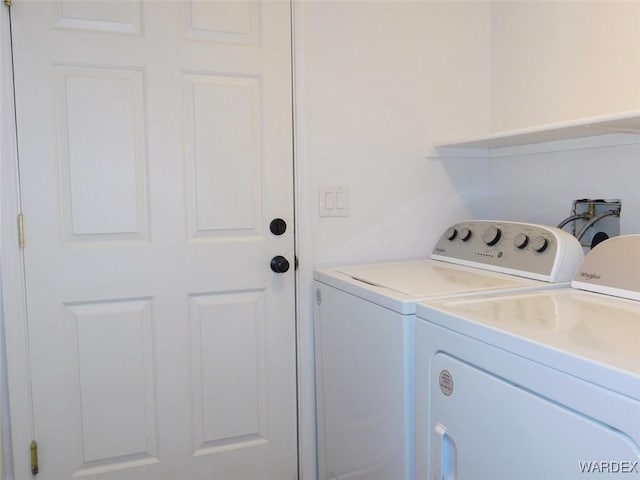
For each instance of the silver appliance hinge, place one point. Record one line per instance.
(21, 230)
(35, 468)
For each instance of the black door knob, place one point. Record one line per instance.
(279, 264)
(278, 226)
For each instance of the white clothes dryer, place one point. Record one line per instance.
(365, 328)
(534, 385)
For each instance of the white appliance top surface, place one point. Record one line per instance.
(427, 278)
(399, 285)
(590, 335)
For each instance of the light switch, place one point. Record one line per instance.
(333, 201)
(329, 200)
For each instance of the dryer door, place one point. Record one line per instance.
(484, 427)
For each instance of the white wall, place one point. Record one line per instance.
(556, 60)
(540, 188)
(382, 81)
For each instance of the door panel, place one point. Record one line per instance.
(115, 17)
(112, 396)
(223, 153)
(103, 176)
(228, 325)
(155, 145)
(223, 22)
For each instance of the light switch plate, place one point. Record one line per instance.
(333, 201)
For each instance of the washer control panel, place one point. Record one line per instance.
(524, 249)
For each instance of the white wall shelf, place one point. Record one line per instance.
(627, 124)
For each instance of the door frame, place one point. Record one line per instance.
(305, 201)
(16, 389)
(12, 291)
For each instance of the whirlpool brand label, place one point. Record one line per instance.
(589, 276)
(446, 382)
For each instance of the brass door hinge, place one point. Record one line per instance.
(34, 458)
(8, 3)
(21, 230)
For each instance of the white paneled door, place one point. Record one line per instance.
(155, 149)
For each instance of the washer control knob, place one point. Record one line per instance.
(521, 241)
(491, 236)
(451, 234)
(540, 244)
(465, 234)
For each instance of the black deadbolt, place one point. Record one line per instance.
(278, 226)
(279, 264)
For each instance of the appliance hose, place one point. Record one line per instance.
(595, 220)
(573, 218)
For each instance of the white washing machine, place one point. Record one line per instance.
(365, 328)
(534, 385)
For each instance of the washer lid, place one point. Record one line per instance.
(589, 335)
(399, 285)
(421, 279)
